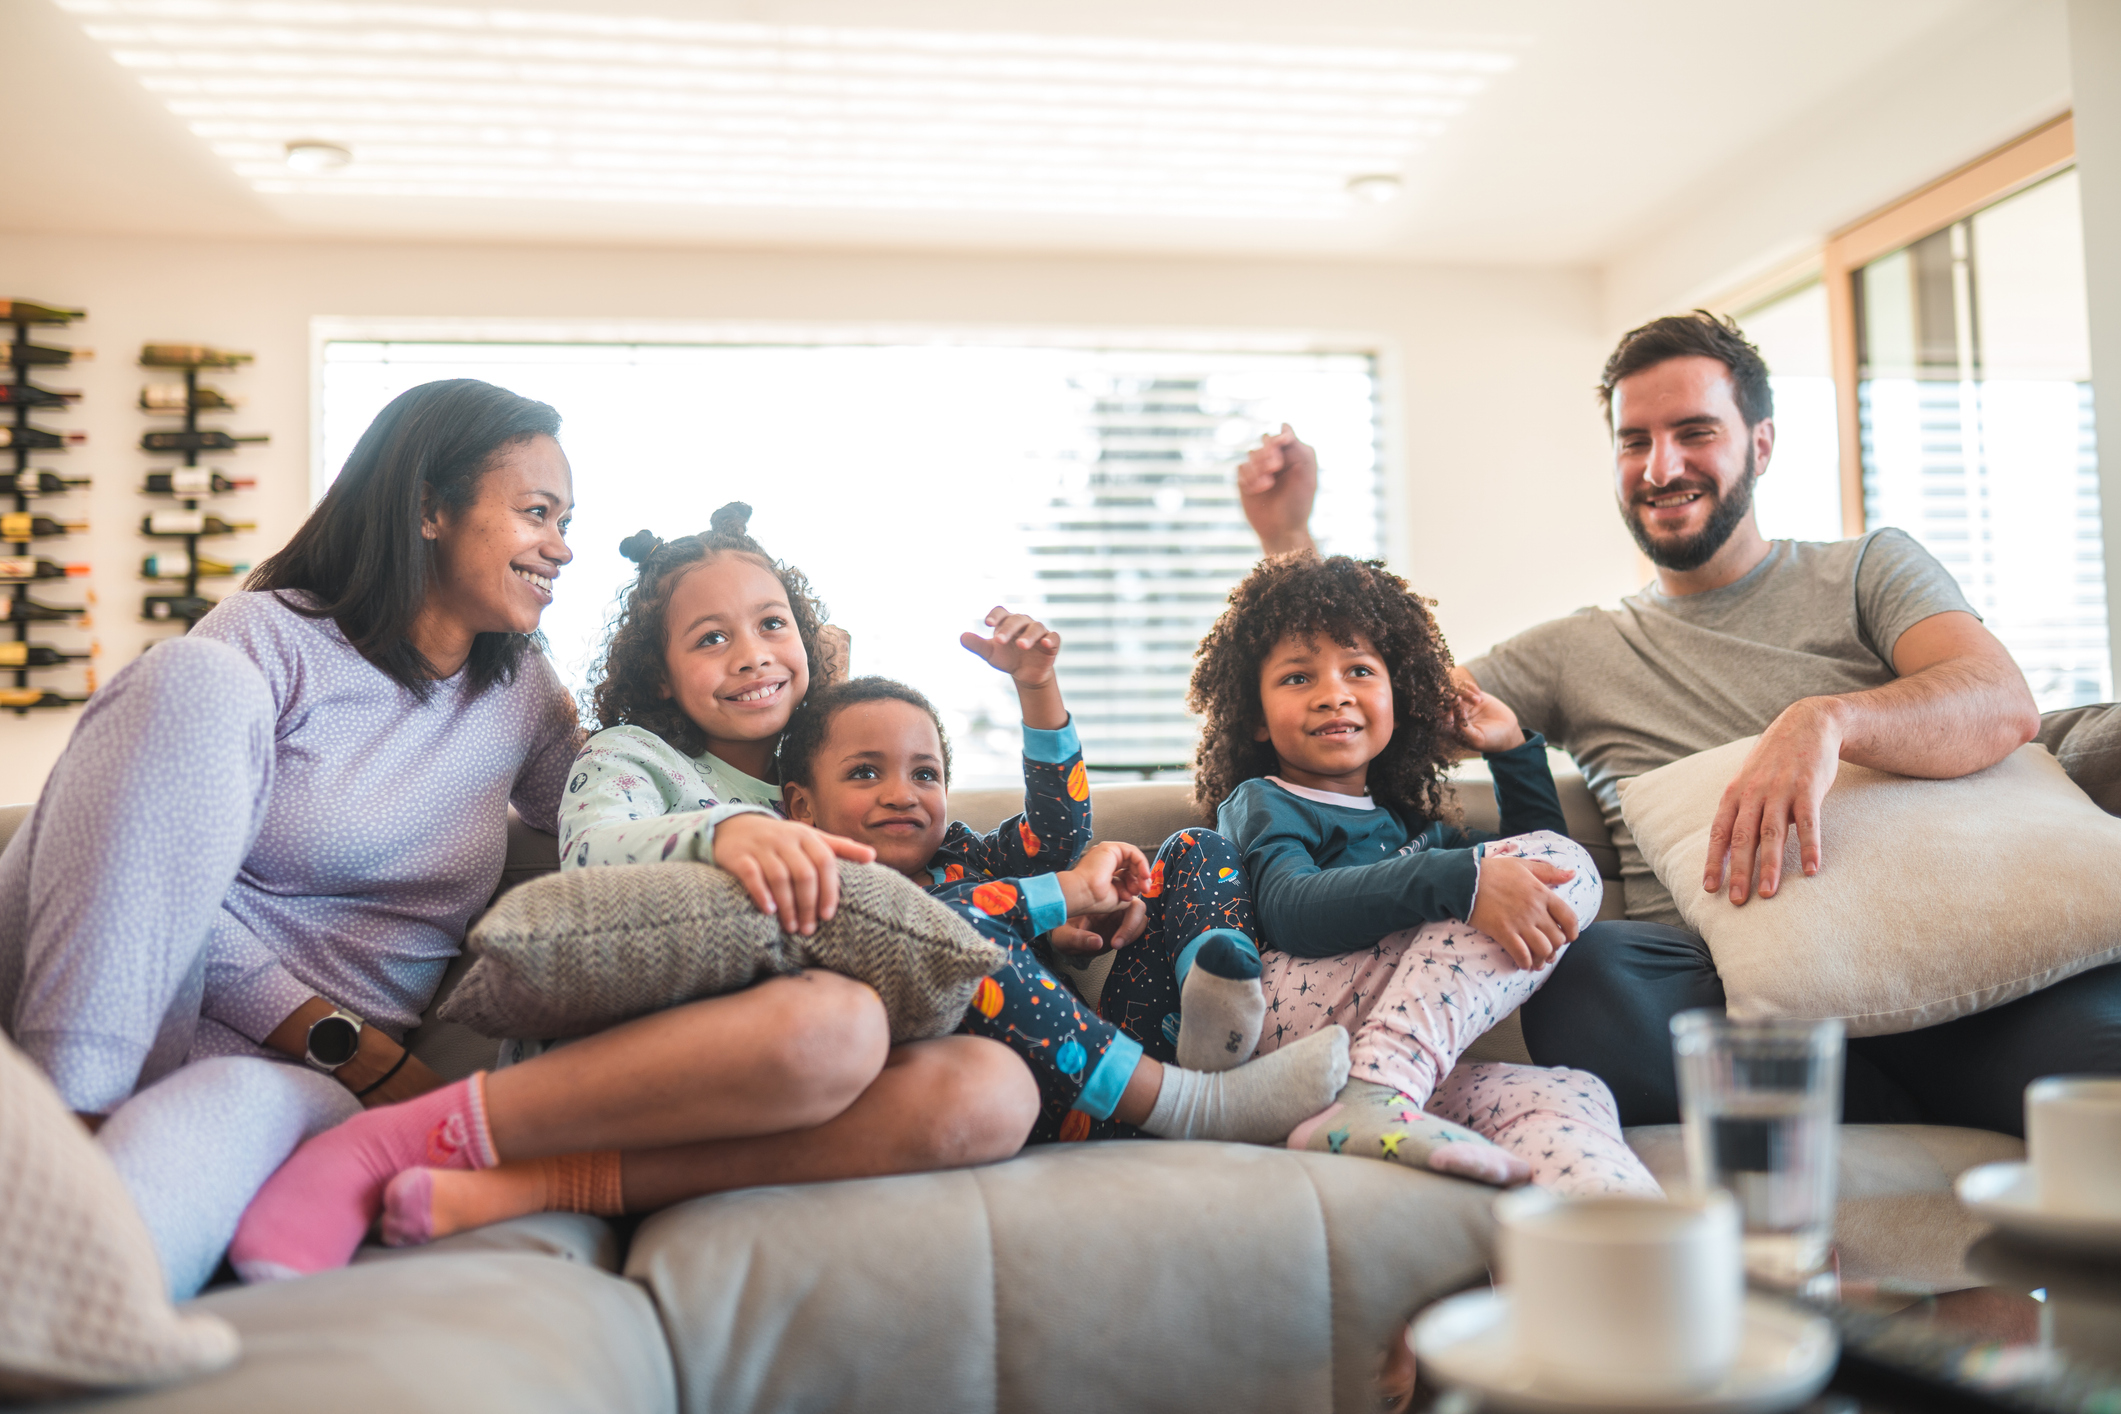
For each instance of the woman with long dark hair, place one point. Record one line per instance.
(257, 854)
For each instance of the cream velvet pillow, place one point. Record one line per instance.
(1935, 899)
(82, 1301)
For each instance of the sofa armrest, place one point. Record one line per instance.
(11, 818)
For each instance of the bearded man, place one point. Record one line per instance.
(1857, 650)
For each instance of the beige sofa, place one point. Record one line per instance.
(1141, 1276)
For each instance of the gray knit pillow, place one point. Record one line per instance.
(572, 953)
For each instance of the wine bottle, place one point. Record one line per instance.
(22, 311)
(29, 395)
(196, 441)
(189, 607)
(21, 609)
(192, 523)
(12, 354)
(45, 483)
(175, 564)
(36, 697)
(38, 437)
(36, 655)
(190, 356)
(175, 397)
(195, 481)
(21, 525)
(21, 568)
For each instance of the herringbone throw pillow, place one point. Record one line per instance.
(572, 953)
(82, 1300)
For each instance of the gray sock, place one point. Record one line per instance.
(195, 1147)
(1258, 1102)
(1221, 1003)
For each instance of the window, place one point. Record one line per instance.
(1799, 497)
(1975, 408)
(918, 485)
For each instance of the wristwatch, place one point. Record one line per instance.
(334, 1040)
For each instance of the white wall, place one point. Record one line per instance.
(1505, 508)
(2095, 57)
(1938, 106)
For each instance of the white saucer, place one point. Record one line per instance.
(2008, 1195)
(1468, 1341)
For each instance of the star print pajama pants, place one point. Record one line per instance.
(1415, 1001)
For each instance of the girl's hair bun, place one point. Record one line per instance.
(638, 546)
(730, 519)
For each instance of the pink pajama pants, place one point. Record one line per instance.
(1415, 1000)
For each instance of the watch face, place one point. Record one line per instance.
(333, 1041)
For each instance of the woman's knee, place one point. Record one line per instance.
(828, 1038)
(980, 1101)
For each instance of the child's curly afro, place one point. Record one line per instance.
(1299, 594)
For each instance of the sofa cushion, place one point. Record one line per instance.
(1937, 899)
(83, 1304)
(1895, 1217)
(1134, 1275)
(572, 953)
(2087, 741)
(435, 1334)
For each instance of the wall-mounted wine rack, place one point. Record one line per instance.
(21, 568)
(189, 483)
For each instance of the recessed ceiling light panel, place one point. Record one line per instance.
(521, 104)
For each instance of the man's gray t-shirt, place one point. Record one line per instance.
(1627, 690)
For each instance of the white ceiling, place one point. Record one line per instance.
(1524, 131)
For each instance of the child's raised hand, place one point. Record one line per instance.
(1481, 722)
(1091, 934)
(1516, 906)
(791, 871)
(1106, 879)
(1020, 646)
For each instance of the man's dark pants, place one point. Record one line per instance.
(1608, 1009)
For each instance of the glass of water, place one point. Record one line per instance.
(1761, 1101)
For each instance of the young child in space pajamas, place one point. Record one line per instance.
(868, 760)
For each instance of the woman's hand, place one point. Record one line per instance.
(1025, 649)
(1480, 722)
(1516, 906)
(1095, 933)
(791, 871)
(1106, 879)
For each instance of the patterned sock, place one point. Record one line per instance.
(420, 1205)
(312, 1214)
(1256, 1103)
(1221, 1004)
(1378, 1122)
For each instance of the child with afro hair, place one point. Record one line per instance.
(1330, 719)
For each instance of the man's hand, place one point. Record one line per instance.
(1783, 782)
(1106, 879)
(1517, 907)
(791, 871)
(1091, 934)
(1481, 722)
(1276, 484)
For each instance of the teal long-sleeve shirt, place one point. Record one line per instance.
(1329, 878)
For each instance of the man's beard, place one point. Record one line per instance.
(1701, 547)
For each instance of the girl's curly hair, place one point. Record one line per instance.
(1302, 595)
(626, 681)
(805, 736)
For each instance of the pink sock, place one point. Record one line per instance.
(312, 1214)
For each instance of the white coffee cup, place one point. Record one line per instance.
(2073, 1141)
(1624, 1297)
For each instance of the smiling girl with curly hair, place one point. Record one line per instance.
(1330, 719)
